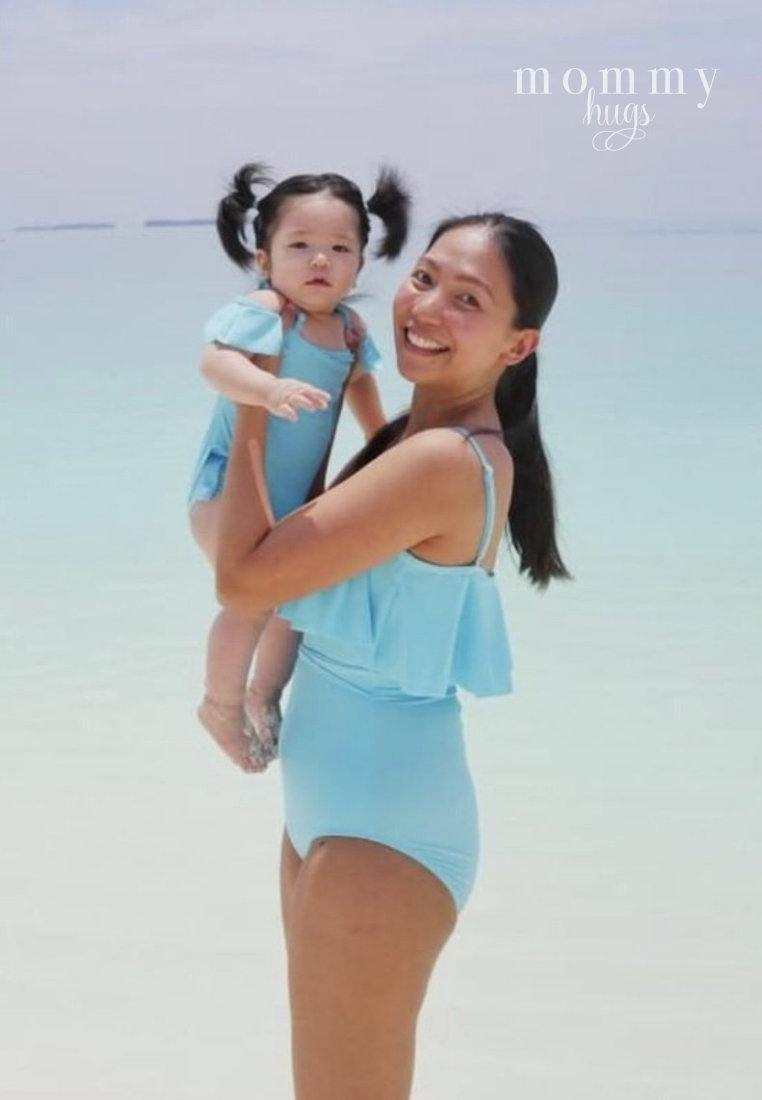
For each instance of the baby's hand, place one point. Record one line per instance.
(289, 397)
(355, 333)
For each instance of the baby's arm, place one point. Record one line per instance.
(251, 379)
(362, 394)
(364, 402)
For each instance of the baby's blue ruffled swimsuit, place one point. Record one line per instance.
(295, 450)
(372, 743)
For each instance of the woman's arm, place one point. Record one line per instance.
(421, 490)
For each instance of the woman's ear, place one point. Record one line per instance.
(520, 345)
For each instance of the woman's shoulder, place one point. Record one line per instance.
(464, 466)
(459, 446)
(436, 449)
(441, 469)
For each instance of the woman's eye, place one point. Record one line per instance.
(469, 300)
(421, 276)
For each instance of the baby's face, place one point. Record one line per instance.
(315, 253)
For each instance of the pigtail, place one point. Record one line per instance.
(391, 203)
(531, 516)
(233, 210)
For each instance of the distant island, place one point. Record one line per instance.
(594, 225)
(62, 226)
(163, 223)
(660, 228)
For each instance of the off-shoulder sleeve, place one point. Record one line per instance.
(244, 324)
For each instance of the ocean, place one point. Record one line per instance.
(611, 947)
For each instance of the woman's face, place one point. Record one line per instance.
(454, 316)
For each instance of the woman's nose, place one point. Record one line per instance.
(425, 306)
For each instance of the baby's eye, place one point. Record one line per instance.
(298, 244)
(341, 248)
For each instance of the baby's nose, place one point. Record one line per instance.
(319, 259)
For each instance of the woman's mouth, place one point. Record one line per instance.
(422, 343)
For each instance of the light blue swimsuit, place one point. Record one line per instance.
(372, 742)
(294, 450)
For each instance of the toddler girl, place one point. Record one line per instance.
(295, 349)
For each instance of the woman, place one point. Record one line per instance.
(389, 576)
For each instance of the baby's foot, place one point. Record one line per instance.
(263, 720)
(258, 754)
(227, 725)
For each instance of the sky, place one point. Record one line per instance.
(122, 110)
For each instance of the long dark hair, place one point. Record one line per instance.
(532, 271)
(390, 202)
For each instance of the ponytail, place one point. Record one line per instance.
(531, 516)
(531, 268)
(233, 210)
(391, 203)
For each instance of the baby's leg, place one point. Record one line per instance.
(230, 647)
(276, 655)
(204, 519)
(231, 644)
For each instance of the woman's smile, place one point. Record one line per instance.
(420, 343)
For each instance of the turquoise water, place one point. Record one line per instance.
(611, 948)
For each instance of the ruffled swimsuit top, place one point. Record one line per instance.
(295, 449)
(411, 629)
(251, 327)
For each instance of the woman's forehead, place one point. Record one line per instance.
(470, 252)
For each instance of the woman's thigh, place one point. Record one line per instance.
(365, 925)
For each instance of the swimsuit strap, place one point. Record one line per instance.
(489, 488)
(345, 314)
(342, 310)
